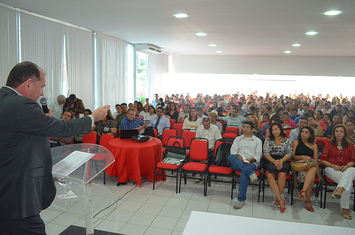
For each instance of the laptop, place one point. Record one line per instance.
(127, 134)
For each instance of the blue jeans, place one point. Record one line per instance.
(246, 172)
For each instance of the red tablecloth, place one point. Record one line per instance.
(134, 159)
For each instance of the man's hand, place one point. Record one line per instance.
(246, 162)
(140, 128)
(100, 113)
(50, 113)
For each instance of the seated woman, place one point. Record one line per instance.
(148, 116)
(350, 127)
(145, 110)
(277, 152)
(318, 130)
(265, 118)
(60, 140)
(304, 148)
(206, 109)
(265, 128)
(192, 122)
(338, 157)
(349, 116)
(327, 121)
(106, 126)
(139, 108)
(287, 123)
(294, 114)
(172, 113)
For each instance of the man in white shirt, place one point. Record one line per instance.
(294, 133)
(245, 156)
(159, 122)
(200, 115)
(234, 119)
(57, 107)
(211, 133)
(213, 118)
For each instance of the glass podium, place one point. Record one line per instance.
(75, 166)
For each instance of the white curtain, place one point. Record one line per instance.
(8, 42)
(80, 64)
(42, 44)
(117, 71)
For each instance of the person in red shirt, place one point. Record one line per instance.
(339, 159)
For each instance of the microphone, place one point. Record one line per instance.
(44, 103)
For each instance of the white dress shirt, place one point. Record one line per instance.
(211, 134)
(248, 148)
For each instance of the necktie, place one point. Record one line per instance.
(157, 123)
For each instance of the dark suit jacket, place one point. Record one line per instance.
(26, 182)
(78, 106)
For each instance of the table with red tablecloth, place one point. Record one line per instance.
(134, 159)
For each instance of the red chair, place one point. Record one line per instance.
(229, 135)
(188, 136)
(178, 126)
(172, 121)
(172, 141)
(232, 128)
(140, 118)
(219, 169)
(101, 156)
(167, 132)
(220, 122)
(182, 120)
(257, 172)
(198, 153)
(90, 138)
(288, 133)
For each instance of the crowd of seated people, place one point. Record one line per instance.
(287, 126)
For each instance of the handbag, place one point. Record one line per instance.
(271, 167)
(305, 166)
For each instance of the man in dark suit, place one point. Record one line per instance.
(26, 182)
(75, 103)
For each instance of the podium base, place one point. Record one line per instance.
(72, 229)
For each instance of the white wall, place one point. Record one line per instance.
(268, 65)
(158, 69)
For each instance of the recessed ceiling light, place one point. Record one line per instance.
(332, 13)
(201, 34)
(311, 33)
(287, 52)
(180, 15)
(296, 45)
(218, 51)
(212, 45)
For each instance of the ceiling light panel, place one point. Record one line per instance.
(212, 45)
(332, 13)
(180, 15)
(201, 34)
(296, 45)
(311, 33)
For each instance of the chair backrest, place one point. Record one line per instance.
(176, 148)
(90, 138)
(188, 136)
(176, 141)
(321, 142)
(220, 122)
(288, 133)
(229, 134)
(221, 153)
(178, 126)
(167, 132)
(105, 138)
(232, 128)
(199, 149)
(182, 120)
(172, 121)
(140, 118)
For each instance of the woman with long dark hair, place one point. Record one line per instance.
(305, 149)
(338, 157)
(172, 112)
(192, 122)
(277, 153)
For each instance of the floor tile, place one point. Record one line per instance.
(148, 208)
(141, 219)
(133, 229)
(170, 211)
(110, 226)
(164, 222)
(157, 231)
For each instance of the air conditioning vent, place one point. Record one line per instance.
(149, 49)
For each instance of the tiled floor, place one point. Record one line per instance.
(144, 211)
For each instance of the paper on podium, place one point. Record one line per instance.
(72, 162)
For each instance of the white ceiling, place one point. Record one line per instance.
(238, 27)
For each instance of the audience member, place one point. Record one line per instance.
(277, 152)
(105, 126)
(295, 132)
(287, 123)
(185, 113)
(131, 122)
(234, 119)
(148, 116)
(145, 111)
(350, 127)
(337, 110)
(87, 112)
(326, 121)
(172, 113)
(57, 106)
(122, 115)
(200, 114)
(305, 149)
(118, 110)
(192, 122)
(60, 140)
(318, 130)
(336, 120)
(213, 117)
(340, 169)
(155, 101)
(159, 122)
(246, 153)
(75, 103)
(349, 116)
